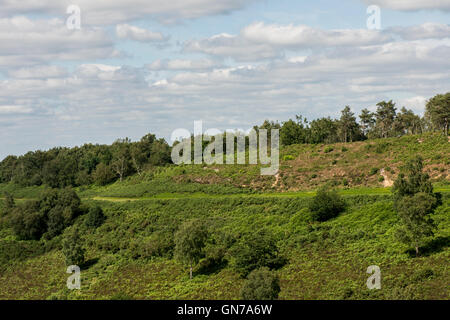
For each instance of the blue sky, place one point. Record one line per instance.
(154, 66)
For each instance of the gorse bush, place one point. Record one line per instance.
(262, 284)
(327, 204)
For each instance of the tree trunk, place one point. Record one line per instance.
(190, 272)
(417, 251)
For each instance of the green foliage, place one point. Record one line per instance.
(50, 215)
(414, 213)
(95, 217)
(254, 251)
(328, 149)
(72, 248)
(326, 205)
(262, 284)
(416, 181)
(190, 241)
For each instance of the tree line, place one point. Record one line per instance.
(100, 164)
(385, 122)
(104, 164)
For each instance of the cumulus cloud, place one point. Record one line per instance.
(126, 31)
(42, 41)
(267, 41)
(305, 36)
(118, 11)
(411, 5)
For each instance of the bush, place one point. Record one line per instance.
(254, 251)
(73, 248)
(374, 171)
(262, 284)
(95, 217)
(326, 205)
(328, 149)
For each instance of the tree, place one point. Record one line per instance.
(27, 222)
(9, 201)
(414, 202)
(293, 132)
(438, 111)
(323, 130)
(326, 205)
(348, 127)
(73, 248)
(412, 180)
(95, 217)
(385, 117)
(262, 284)
(121, 157)
(190, 241)
(407, 122)
(414, 213)
(103, 175)
(367, 121)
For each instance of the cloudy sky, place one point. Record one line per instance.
(140, 66)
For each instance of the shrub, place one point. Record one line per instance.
(262, 284)
(374, 171)
(344, 149)
(288, 157)
(381, 179)
(95, 217)
(73, 248)
(254, 251)
(326, 205)
(328, 149)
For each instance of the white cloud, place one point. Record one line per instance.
(424, 31)
(38, 72)
(14, 109)
(305, 36)
(261, 41)
(411, 5)
(118, 11)
(29, 42)
(126, 31)
(182, 64)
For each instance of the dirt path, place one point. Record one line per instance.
(387, 181)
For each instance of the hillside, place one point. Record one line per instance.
(130, 256)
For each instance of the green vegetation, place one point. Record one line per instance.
(261, 285)
(347, 196)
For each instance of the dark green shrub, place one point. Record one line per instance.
(262, 284)
(328, 149)
(73, 248)
(254, 251)
(95, 217)
(374, 171)
(326, 205)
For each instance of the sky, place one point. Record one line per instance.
(152, 66)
